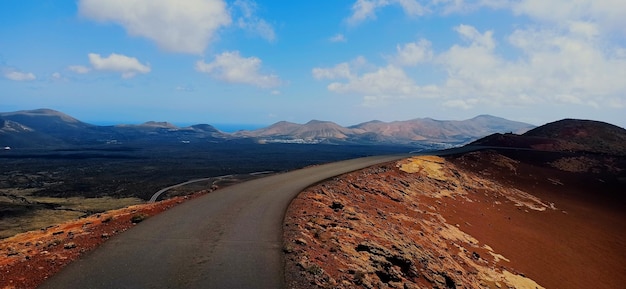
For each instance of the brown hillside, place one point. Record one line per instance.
(321, 129)
(398, 132)
(438, 130)
(277, 129)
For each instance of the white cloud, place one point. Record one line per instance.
(79, 69)
(608, 14)
(570, 65)
(617, 103)
(128, 66)
(259, 27)
(366, 9)
(19, 76)
(411, 7)
(413, 53)
(180, 26)
(341, 70)
(446, 7)
(385, 81)
(231, 67)
(338, 38)
(461, 103)
(375, 85)
(472, 35)
(555, 67)
(252, 23)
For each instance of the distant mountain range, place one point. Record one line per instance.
(50, 128)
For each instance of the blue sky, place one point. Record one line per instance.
(347, 61)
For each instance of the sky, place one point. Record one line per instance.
(347, 61)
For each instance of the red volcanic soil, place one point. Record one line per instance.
(578, 245)
(480, 220)
(28, 259)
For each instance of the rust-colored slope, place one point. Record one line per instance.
(477, 221)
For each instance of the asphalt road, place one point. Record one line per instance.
(231, 238)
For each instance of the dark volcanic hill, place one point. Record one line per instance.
(165, 132)
(48, 120)
(41, 127)
(18, 135)
(567, 135)
(593, 136)
(50, 128)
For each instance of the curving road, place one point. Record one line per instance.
(161, 191)
(231, 238)
(156, 195)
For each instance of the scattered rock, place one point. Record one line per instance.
(54, 243)
(336, 206)
(315, 269)
(288, 249)
(70, 245)
(138, 218)
(300, 242)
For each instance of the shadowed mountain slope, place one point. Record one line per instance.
(567, 135)
(40, 128)
(47, 120)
